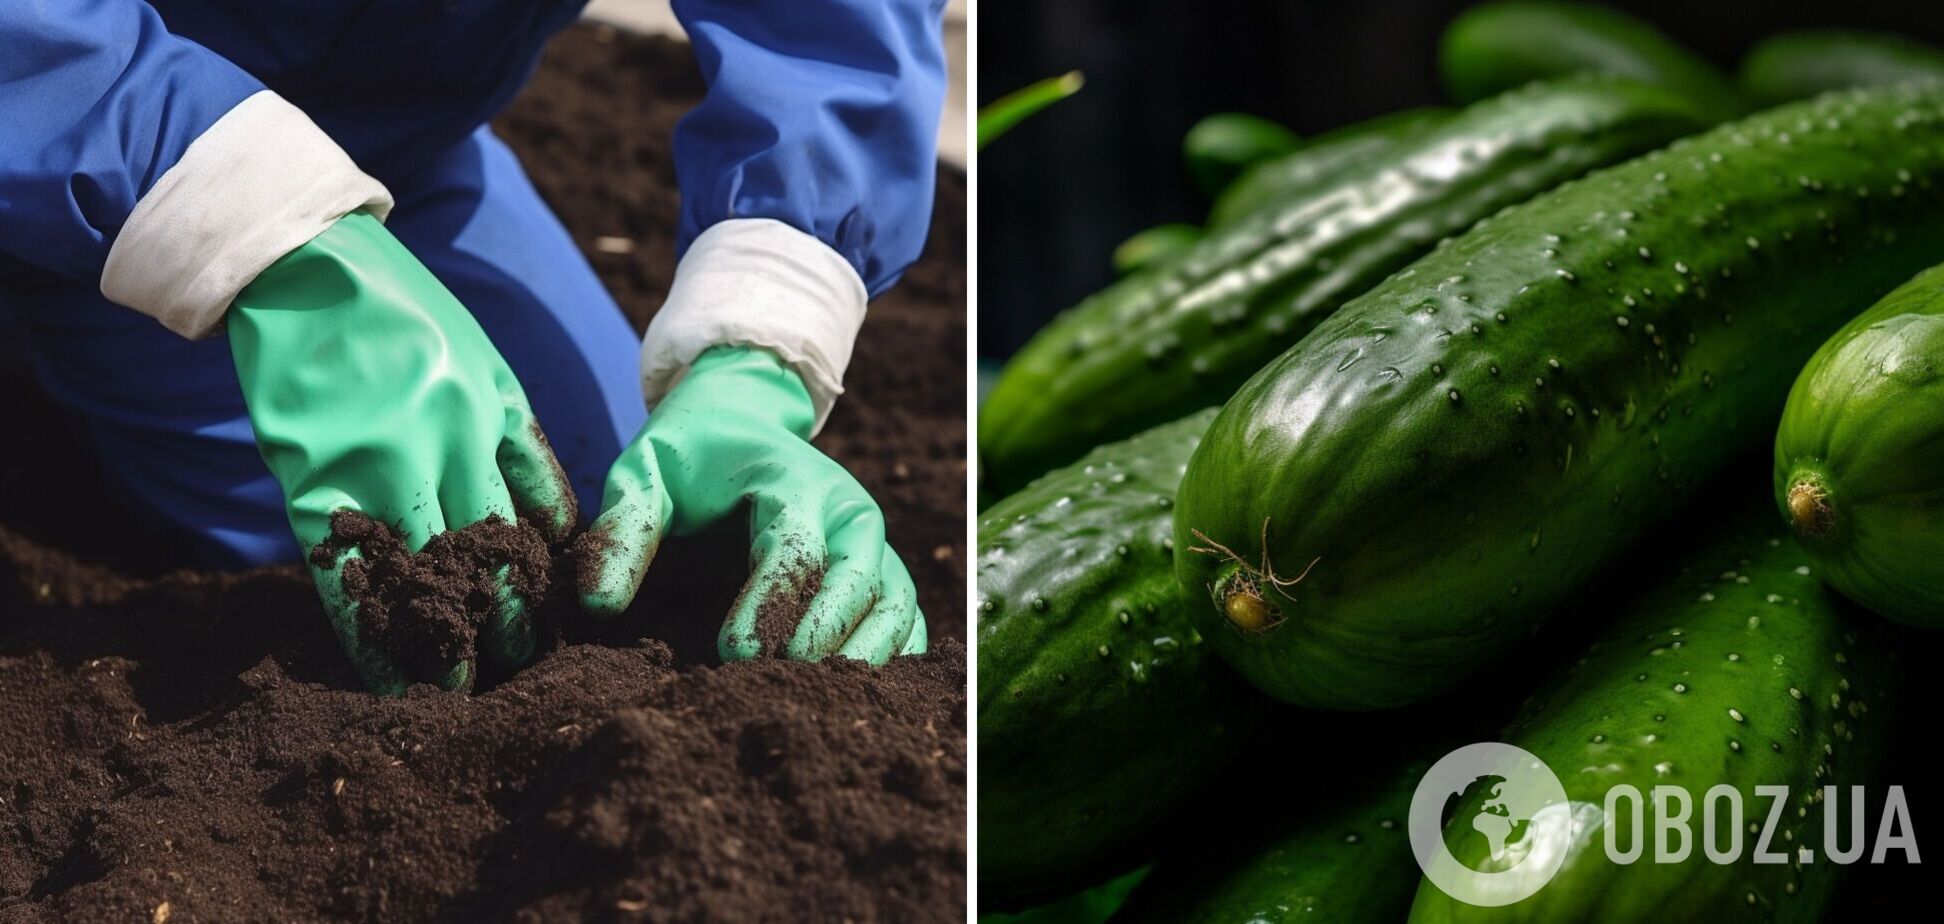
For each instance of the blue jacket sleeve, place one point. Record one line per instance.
(97, 100)
(821, 114)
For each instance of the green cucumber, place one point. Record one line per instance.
(1738, 669)
(1351, 864)
(1300, 171)
(1453, 453)
(1091, 906)
(1218, 148)
(1153, 246)
(1859, 458)
(1496, 46)
(1100, 709)
(1795, 65)
(1182, 337)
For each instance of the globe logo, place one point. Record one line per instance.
(1490, 824)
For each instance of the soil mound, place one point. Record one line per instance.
(192, 745)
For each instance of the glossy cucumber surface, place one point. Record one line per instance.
(1100, 708)
(1859, 458)
(1734, 667)
(1179, 338)
(1445, 460)
(1271, 181)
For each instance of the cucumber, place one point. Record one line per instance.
(1153, 246)
(1859, 458)
(1091, 906)
(1218, 148)
(1496, 46)
(1454, 452)
(1100, 709)
(1795, 65)
(1350, 864)
(1270, 181)
(1738, 669)
(1180, 338)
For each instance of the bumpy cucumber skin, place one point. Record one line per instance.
(1100, 708)
(1496, 46)
(1351, 865)
(1327, 155)
(1182, 337)
(1461, 447)
(1152, 246)
(1863, 433)
(1741, 670)
(1218, 148)
(1797, 65)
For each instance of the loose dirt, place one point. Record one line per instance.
(191, 745)
(426, 610)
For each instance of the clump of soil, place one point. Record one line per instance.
(197, 738)
(426, 609)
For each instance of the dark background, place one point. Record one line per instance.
(1060, 190)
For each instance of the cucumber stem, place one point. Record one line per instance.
(1809, 510)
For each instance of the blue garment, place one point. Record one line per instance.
(168, 416)
(819, 114)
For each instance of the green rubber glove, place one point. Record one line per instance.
(371, 388)
(735, 430)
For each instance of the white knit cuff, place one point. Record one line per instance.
(758, 282)
(256, 185)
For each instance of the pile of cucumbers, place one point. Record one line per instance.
(1461, 396)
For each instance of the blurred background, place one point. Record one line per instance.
(1060, 190)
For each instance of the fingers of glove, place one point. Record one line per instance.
(889, 625)
(919, 640)
(380, 673)
(850, 583)
(534, 478)
(409, 508)
(471, 490)
(616, 551)
(787, 554)
(508, 636)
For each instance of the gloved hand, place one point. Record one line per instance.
(371, 388)
(736, 429)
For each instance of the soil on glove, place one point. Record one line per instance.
(426, 610)
(191, 745)
(778, 616)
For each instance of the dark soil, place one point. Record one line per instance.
(426, 610)
(192, 744)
